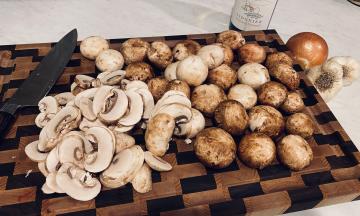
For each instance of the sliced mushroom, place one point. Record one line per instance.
(89, 93)
(64, 121)
(193, 127)
(77, 183)
(105, 141)
(43, 118)
(75, 89)
(122, 129)
(142, 181)
(83, 81)
(116, 104)
(136, 109)
(46, 189)
(86, 109)
(179, 99)
(52, 184)
(42, 168)
(156, 163)
(52, 162)
(123, 167)
(179, 112)
(148, 102)
(71, 150)
(48, 105)
(86, 124)
(100, 97)
(64, 98)
(137, 84)
(123, 141)
(31, 150)
(111, 78)
(158, 133)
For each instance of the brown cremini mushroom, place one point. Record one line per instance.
(266, 119)
(300, 124)
(179, 85)
(252, 53)
(157, 87)
(285, 74)
(134, 50)
(160, 54)
(293, 103)
(206, 98)
(231, 38)
(278, 58)
(139, 71)
(185, 48)
(272, 94)
(223, 76)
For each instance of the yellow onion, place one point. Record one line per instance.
(308, 49)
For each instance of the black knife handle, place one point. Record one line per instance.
(6, 120)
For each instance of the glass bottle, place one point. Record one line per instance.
(250, 15)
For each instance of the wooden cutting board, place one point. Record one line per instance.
(190, 188)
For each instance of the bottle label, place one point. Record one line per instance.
(252, 14)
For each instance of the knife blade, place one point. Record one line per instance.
(40, 81)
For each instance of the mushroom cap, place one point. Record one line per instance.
(272, 94)
(228, 53)
(31, 150)
(179, 85)
(285, 74)
(170, 71)
(160, 54)
(278, 58)
(142, 182)
(232, 38)
(157, 87)
(212, 55)
(92, 46)
(185, 48)
(158, 133)
(105, 141)
(223, 76)
(257, 150)
(48, 105)
(293, 103)
(215, 148)
(207, 97)
(137, 84)
(122, 141)
(300, 124)
(253, 74)
(180, 112)
(192, 70)
(123, 167)
(84, 81)
(139, 71)
(134, 50)
(252, 53)
(64, 97)
(156, 163)
(197, 123)
(244, 94)
(77, 183)
(109, 60)
(231, 116)
(171, 97)
(266, 119)
(111, 77)
(294, 152)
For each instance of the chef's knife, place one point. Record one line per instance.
(40, 81)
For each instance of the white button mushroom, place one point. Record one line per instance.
(91, 47)
(192, 70)
(109, 60)
(253, 74)
(212, 55)
(244, 94)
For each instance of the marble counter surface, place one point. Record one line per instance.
(338, 21)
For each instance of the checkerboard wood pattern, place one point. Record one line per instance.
(190, 188)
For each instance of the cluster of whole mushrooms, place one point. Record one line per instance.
(86, 141)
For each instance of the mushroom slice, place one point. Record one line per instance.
(148, 101)
(48, 105)
(135, 84)
(86, 124)
(116, 104)
(46, 190)
(179, 112)
(52, 184)
(111, 78)
(64, 121)
(77, 183)
(179, 99)
(64, 98)
(43, 118)
(75, 89)
(142, 181)
(100, 159)
(156, 163)
(123, 167)
(122, 129)
(135, 110)
(123, 141)
(43, 169)
(100, 97)
(52, 162)
(31, 150)
(71, 150)
(193, 127)
(83, 81)
(173, 92)
(170, 71)
(88, 93)
(86, 108)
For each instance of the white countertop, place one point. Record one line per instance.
(338, 21)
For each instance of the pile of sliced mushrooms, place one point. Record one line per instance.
(86, 143)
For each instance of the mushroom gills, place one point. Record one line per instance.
(116, 104)
(136, 109)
